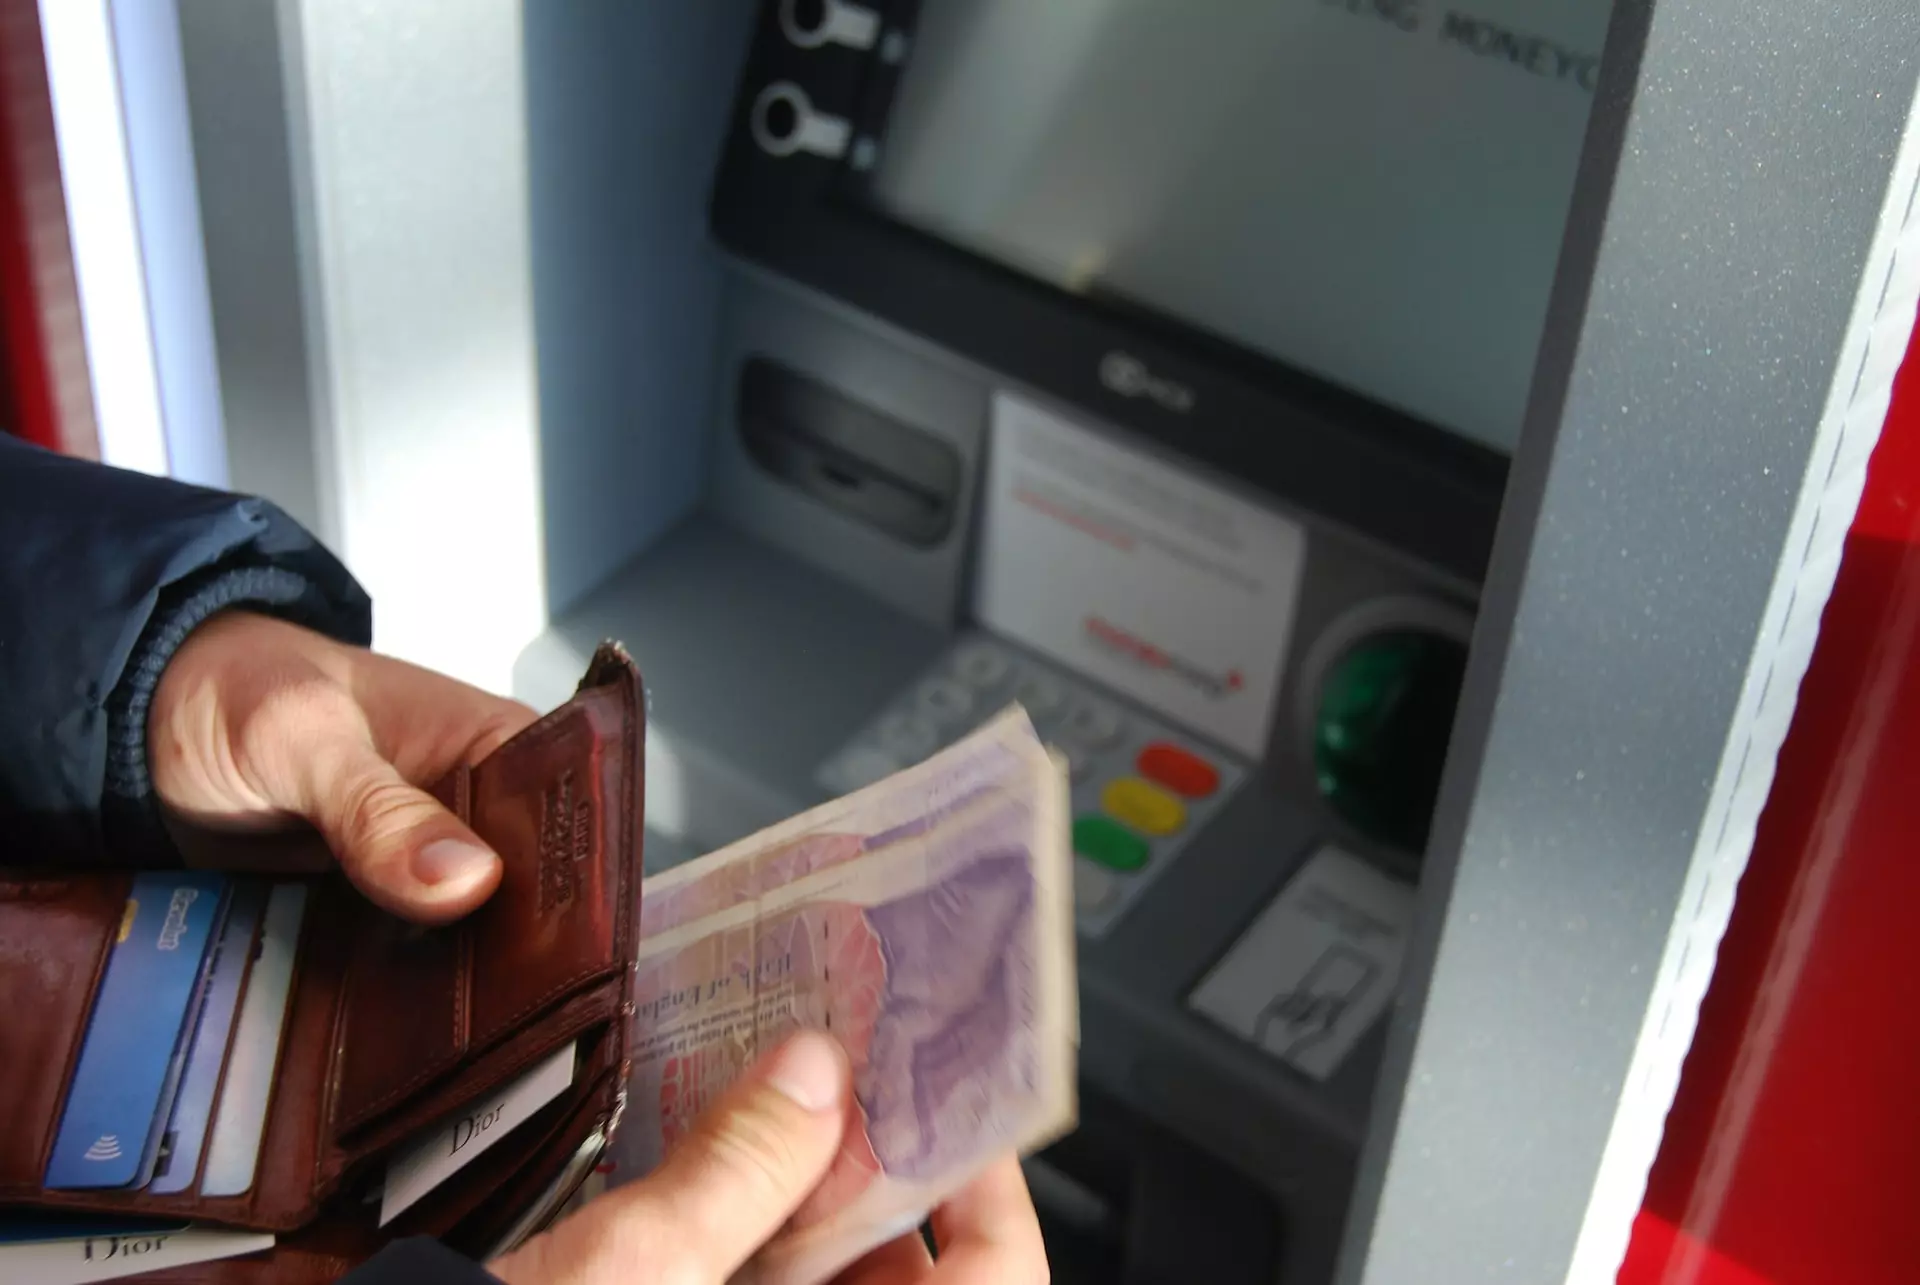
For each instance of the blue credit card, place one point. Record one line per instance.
(186, 1131)
(134, 1031)
(177, 1064)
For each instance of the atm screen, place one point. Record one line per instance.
(1371, 191)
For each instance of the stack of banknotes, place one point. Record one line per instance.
(926, 922)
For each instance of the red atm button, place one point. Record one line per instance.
(1183, 773)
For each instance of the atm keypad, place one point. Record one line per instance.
(1140, 789)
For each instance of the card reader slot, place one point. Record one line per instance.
(848, 456)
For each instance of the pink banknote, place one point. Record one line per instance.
(924, 922)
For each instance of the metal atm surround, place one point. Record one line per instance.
(1734, 290)
(773, 623)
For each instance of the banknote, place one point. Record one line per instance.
(926, 922)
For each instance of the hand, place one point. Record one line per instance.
(258, 725)
(988, 1233)
(749, 1163)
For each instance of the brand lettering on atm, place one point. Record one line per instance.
(1126, 374)
(1124, 643)
(566, 840)
(1536, 55)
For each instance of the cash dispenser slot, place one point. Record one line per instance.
(848, 456)
(1125, 1202)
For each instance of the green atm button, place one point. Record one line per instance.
(1098, 838)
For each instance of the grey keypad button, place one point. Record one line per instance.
(945, 701)
(909, 737)
(1041, 694)
(1092, 723)
(1094, 888)
(981, 664)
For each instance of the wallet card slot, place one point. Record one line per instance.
(553, 803)
(534, 1195)
(505, 1180)
(55, 935)
(288, 1181)
(405, 1015)
(285, 1190)
(575, 1017)
(449, 1202)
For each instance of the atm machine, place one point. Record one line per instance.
(1397, 450)
(1077, 355)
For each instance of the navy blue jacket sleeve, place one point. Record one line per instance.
(103, 573)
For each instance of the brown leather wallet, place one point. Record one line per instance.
(390, 1028)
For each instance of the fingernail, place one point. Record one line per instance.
(450, 861)
(808, 1069)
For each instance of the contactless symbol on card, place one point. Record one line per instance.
(105, 1147)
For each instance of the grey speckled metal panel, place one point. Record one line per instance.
(1739, 281)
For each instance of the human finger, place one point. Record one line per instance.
(901, 1261)
(988, 1232)
(426, 723)
(720, 1195)
(397, 843)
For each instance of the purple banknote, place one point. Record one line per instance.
(924, 922)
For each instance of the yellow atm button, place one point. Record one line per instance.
(1147, 808)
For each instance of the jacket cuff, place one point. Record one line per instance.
(130, 809)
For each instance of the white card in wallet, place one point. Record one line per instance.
(456, 1141)
(84, 1259)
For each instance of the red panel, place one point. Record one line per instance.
(44, 395)
(1792, 1154)
(1657, 1242)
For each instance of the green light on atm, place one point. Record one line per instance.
(1380, 738)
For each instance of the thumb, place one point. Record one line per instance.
(402, 849)
(749, 1163)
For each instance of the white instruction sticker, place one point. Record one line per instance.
(1319, 965)
(1137, 574)
(457, 1141)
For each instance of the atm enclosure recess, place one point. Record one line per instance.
(818, 622)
